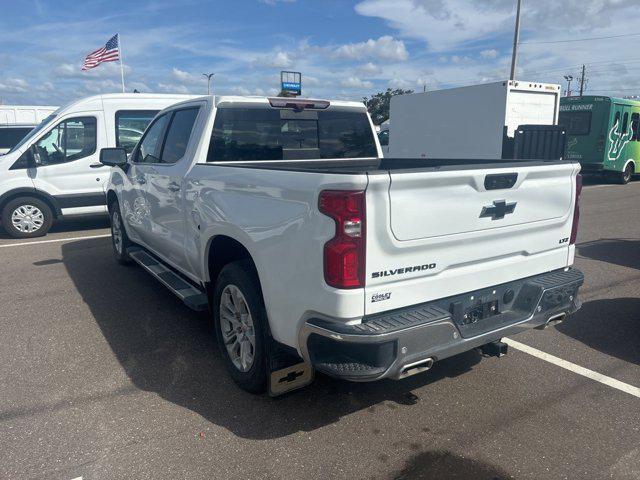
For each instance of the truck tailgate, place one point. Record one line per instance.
(437, 233)
(428, 204)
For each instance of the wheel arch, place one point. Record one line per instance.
(630, 161)
(222, 250)
(31, 192)
(111, 198)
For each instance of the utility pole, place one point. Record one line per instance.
(569, 79)
(209, 77)
(583, 79)
(516, 41)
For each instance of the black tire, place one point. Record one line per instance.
(626, 176)
(242, 275)
(31, 226)
(119, 239)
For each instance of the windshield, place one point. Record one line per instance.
(576, 123)
(33, 132)
(273, 134)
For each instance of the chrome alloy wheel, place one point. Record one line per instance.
(116, 231)
(237, 328)
(27, 218)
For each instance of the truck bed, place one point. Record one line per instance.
(372, 165)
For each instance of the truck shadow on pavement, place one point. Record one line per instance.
(166, 348)
(618, 251)
(611, 326)
(444, 465)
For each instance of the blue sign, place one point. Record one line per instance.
(293, 87)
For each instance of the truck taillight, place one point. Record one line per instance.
(344, 254)
(576, 211)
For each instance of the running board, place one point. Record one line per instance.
(192, 297)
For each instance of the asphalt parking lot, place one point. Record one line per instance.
(103, 374)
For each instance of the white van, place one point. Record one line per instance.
(54, 171)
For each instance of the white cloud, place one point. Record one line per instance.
(369, 69)
(275, 2)
(46, 87)
(172, 88)
(384, 48)
(489, 53)
(13, 85)
(279, 59)
(239, 90)
(442, 25)
(400, 83)
(355, 82)
(187, 78)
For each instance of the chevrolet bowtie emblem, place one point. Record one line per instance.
(498, 210)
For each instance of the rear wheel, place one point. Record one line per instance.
(119, 239)
(241, 325)
(625, 177)
(27, 217)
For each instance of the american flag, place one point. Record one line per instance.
(109, 53)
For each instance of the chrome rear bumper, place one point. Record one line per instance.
(388, 345)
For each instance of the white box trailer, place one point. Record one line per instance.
(475, 122)
(24, 114)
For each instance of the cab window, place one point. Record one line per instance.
(178, 133)
(151, 143)
(70, 140)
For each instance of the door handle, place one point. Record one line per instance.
(174, 187)
(140, 180)
(97, 165)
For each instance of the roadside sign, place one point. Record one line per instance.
(291, 83)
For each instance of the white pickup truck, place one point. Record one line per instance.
(313, 253)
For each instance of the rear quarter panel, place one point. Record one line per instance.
(274, 215)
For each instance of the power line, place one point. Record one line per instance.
(580, 39)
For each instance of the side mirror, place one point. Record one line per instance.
(113, 157)
(34, 157)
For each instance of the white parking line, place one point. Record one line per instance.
(585, 372)
(39, 242)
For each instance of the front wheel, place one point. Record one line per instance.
(119, 239)
(27, 217)
(241, 325)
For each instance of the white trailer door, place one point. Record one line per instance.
(531, 108)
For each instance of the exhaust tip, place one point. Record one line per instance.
(415, 368)
(556, 319)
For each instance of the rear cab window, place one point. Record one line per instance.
(262, 132)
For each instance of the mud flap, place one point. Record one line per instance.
(290, 378)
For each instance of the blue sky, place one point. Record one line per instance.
(345, 49)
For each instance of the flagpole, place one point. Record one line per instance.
(121, 64)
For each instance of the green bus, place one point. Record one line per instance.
(603, 134)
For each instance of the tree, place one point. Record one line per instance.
(378, 104)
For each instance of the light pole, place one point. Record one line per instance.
(516, 41)
(209, 76)
(569, 79)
